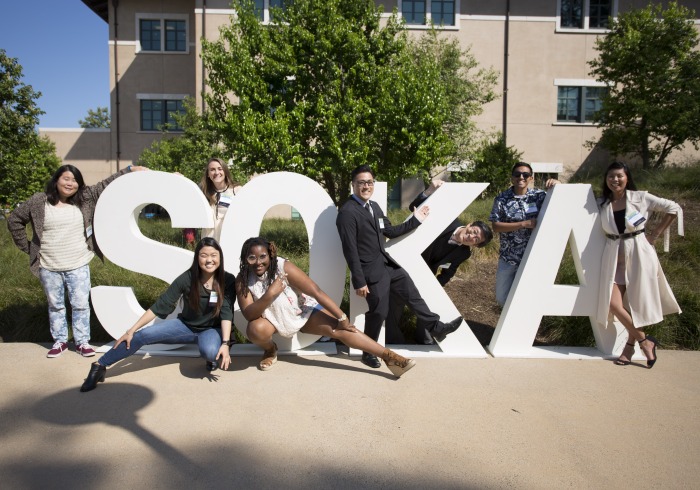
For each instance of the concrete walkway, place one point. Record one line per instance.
(330, 422)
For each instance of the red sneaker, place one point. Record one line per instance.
(57, 349)
(85, 350)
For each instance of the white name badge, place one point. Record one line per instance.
(381, 224)
(225, 201)
(213, 298)
(531, 208)
(636, 219)
(445, 266)
(88, 231)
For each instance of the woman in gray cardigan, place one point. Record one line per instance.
(61, 248)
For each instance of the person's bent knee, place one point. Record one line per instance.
(257, 331)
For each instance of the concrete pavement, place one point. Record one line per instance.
(161, 422)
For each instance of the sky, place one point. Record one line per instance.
(63, 49)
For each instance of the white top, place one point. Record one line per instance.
(291, 309)
(63, 243)
(219, 210)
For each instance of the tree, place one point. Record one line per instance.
(99, 118)
(492, 162)
(325, 88)
(27, 160)
(186, 153)
(650, 62)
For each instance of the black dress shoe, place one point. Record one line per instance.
(442, 330)
(96, 374)
(371, 361)
(211, 366)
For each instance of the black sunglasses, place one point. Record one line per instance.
(524, 175)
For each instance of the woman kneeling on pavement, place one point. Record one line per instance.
(275, 296)
(208, 296)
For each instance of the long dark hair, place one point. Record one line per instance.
(244, 275)
(207, 185)
(607, 193)
(218, 281)
(52, 186)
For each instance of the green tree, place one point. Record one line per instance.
(98, 118)
(27, 160)
(650, 62)
(492, 163)
(186, 152)
(329, 86)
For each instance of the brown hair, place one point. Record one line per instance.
(207, 185)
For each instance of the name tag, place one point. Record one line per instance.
(225, 201)
(213, 298)
(88, 231)
(531, 208)
(636, 219)
(381, 224)
(445, 266)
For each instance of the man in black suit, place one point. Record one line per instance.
(443, 256)
(374, 274)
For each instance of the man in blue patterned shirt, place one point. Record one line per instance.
(514, 216)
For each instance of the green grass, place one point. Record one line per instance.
(23, 315)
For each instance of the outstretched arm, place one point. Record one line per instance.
(299, 280)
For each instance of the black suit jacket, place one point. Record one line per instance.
(362, 236)
(441, 252)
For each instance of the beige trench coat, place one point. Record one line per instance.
(648, 293)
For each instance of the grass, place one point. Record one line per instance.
(23, 315)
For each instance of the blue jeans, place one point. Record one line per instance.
(77, 282)
(171, 331)
(504, 280)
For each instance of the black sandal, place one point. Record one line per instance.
(651, 362)
(621, 362)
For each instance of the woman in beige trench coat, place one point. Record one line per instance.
(630, 266)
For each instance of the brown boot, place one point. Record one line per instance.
(396, 363)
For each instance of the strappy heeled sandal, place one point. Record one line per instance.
(651, 362)
(625, 362)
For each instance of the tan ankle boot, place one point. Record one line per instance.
(397, 364)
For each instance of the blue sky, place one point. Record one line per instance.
(63, 48)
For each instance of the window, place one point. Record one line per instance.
(263, 8)
(162, 34)
(579, 104)
(157, 115)
(423, 12)
(586, 14)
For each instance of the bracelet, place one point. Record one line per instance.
(342, 318)
(228, 342)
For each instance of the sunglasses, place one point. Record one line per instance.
(524, 175)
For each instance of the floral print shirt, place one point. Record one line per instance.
(511, 208)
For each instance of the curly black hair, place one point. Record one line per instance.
(244, 275)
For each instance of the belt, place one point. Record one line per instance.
(625, 235)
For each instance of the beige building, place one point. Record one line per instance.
(540, 48)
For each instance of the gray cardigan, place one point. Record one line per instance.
(32, 211)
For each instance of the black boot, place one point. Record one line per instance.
(96, 374)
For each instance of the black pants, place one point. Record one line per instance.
(395, 282)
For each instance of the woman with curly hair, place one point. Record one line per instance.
(275, 296)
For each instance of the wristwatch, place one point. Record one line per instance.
(342, 318)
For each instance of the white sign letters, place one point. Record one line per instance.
(569, 213)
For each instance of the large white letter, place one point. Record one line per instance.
(569, 212)
(245, 215)
(120, 239)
